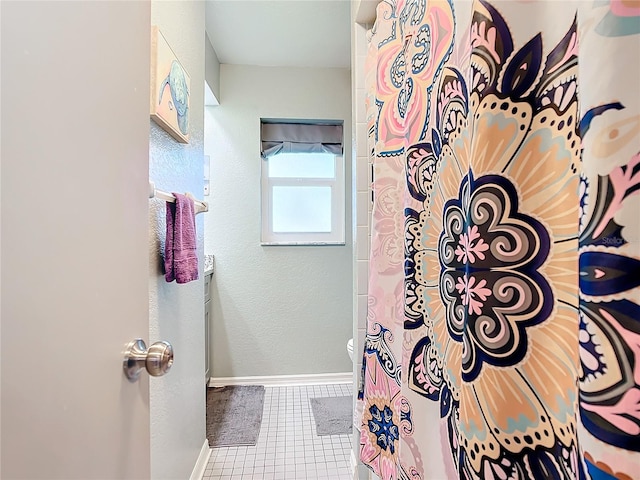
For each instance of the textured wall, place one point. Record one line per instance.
(276, 310)
(176, 312)
(212, 68)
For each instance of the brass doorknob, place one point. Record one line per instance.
(157, 359)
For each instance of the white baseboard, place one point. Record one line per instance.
(201, 463)
(284, 380)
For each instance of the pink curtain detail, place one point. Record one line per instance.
(503, 332)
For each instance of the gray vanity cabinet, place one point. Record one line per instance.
(207, 326)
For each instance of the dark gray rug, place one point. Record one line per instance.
(234, 415)
(333, 415)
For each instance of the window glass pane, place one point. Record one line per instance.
(302, 165)
(301, 209)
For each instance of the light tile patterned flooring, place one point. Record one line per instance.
(288, 447)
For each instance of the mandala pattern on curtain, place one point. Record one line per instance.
(503, 331)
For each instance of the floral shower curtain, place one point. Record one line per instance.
(503, 332)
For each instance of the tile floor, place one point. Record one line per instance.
(288, 447)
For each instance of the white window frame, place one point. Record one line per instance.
(338, 208)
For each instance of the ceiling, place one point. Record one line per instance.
(282, 33)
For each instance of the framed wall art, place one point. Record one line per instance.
(170, 88)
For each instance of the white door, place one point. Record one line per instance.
(75, 146)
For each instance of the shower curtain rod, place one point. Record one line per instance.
(199, 205)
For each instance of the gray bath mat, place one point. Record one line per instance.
(234, 415)
(333, 415)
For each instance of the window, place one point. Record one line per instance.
(302, 194)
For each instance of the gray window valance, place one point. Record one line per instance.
(281, 137)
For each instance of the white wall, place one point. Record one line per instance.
(275, 310)
(363, 15)
(176, 312)
(212, 68)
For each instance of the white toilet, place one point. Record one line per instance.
(350, 348)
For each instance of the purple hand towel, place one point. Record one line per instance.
(180, 258)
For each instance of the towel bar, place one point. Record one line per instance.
(200, 206)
